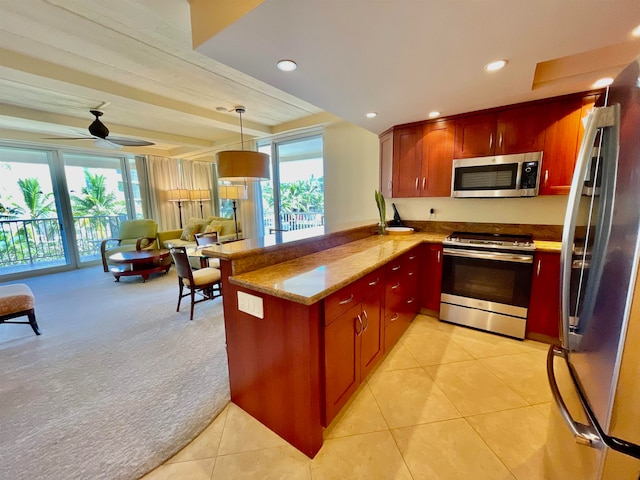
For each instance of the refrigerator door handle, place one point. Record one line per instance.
(598, 118)
(583, 434)
(590, 435)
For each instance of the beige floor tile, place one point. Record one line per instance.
(473, 389)
(517, 437)
(484, 344)
(525, 373)
(410, 397)
(397, 359)
(424, 322)
(192, 470)
(433, 347)
(243, 433)
(269, 464)
(448, 450)
(544, 408)
(372, 456)
(360, 415)
(204, 445)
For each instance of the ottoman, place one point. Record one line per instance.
(17, 300)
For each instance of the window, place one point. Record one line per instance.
(294, 197)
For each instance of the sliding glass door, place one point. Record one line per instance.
(57, 207)
(294, 198)
(32, 234)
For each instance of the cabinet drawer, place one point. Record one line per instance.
(342, 300)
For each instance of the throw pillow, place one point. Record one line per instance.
(213, 227)
(188, 233)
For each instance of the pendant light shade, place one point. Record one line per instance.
(242, 165)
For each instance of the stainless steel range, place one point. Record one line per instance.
(486, 281)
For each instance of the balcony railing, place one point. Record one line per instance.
(294, 221)
(39, 243)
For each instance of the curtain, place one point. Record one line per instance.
(198, 175)
(164, 174)
(250, 216)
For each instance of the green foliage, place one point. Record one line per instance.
(95, 199)
(382, 208)
(38, 204)
(298, 196)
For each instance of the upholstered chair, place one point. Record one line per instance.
(133, 235)
(205, 282)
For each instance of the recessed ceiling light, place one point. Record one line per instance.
(434, 114)
(493, 66)
(372, 115)
(603, 82)
(287, 65)
(636, 31)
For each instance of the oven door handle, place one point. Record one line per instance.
(499, 256)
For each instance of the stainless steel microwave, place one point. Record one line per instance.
(515, 175)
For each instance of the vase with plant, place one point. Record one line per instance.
(382, 211)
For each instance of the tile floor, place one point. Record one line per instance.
(446, 403)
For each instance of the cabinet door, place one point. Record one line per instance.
(341, 360)
(432, 277)
(544, 305)
(371, 342)
(475, 136)
(521, 130)
(386, 164)
(407, 161)
(437, 159)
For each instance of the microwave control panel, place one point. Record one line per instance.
(529, 175)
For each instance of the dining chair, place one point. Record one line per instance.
(202, 240)
(204, 282)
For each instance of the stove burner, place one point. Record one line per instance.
(490, 240)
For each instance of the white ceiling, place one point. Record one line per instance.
(400, 58)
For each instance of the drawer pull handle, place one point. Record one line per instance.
(395, 286)
(394, 318)
(366, 320)
(396, 268)
(346, 300)
(374, 283)
(410, 273)
(410, 301)
(412, 257)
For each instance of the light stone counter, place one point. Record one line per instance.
(310, 278)
(547, 246)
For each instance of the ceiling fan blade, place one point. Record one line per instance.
(67, 138)
(104, 143)
(129, 142)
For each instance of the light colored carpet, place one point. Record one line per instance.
(116, 384)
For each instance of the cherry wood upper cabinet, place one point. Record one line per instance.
(562, 140)
(521, 130)
(407, 161)
(515, 130)
(386, 164)
(475, 136)
(437, 159)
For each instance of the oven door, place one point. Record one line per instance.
(495, 281)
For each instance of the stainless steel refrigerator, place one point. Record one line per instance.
(594, 429)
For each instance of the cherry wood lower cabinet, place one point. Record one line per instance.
(352, 340)
(544, 304)
(401, 295)
(431, 276)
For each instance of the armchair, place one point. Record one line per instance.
(133, 235)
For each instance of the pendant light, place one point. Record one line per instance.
(242, 165)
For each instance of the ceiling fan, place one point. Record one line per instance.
(100, 133)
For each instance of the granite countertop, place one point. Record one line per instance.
(311, 278)
(547, 246)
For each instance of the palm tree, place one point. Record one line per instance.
(38, 204)
(96, 202)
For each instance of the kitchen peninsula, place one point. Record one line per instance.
(307, 319)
